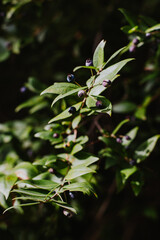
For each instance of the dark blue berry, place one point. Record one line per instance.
(99, 104)
(127, 138)
(70, 78)
(71, 195)
(119, 140)
(72, 110)
(135, 41)
(23, 89)
(81, 93)
(56, 135)
(132, 162)
(89, 62)
(106, 83)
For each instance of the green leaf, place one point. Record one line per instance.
(76, 121)
(41, 184)
(6, 183)
(136, 187)
(87, 67)
(98, 88)
(84, 159)
(62, 96)
(82, 139)
(84, 187)
(46, 161)
(25, 170)
(91, 103)
(78, 171)
(119, 126)
(98, 56)
(64, 205)
(110, 74)
(76, 148)
(65, 114)
(124, 107)
(30, 192)
(45, 135)
(153, 28)
(60, 88)
(30, 103)
(132, 134)
(4, 53)
(34, 85)
(20, 205)
(3, 202)
(145, 149)
(31, 198)
(115, 54)
(126, 173)
(90, 81)
(131, 19)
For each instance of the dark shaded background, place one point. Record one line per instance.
(55, 37)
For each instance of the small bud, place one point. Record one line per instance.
(70, 78)
(56, 135)
(81, 93)
(135, 41)
(99, 104)
(72, 110)
(127, 138)
(106, 83)
(132, 48)
(132, 162)
(89, 62)
(118, 140)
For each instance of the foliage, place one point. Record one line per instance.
(83, 131)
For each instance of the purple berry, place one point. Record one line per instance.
(106, 83)
(148, 35)
(132, 48)
(99, 104)
(135, 41)
(71, 195)
(67, 213)
(89, 62)
(118, 140)
(56, 135)
(23, 89)
(81, 93)
(72, 110)
(127, 138)
(132, 162)
(70, 78)
(51, 170)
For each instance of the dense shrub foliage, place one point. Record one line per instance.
(82, 145)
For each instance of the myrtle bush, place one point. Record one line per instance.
(93, 129)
